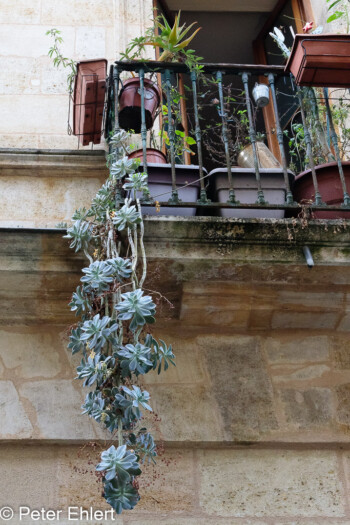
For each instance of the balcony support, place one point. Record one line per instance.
(289, 195)
(232, 198)
(309, 152)
(174, 199)
(203, 196)
(252, 136)
(334, 139)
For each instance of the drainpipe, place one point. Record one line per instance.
(308, 257)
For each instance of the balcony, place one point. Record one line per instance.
(218, 105)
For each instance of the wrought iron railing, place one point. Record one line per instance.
(217, 72)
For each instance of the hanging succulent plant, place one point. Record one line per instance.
(111, 335)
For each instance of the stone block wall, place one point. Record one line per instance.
(33, 94)
(255, 429)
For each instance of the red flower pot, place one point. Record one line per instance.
(329, 186)
(130, 104)
(88, 100)
(153, 156)
(320, 60)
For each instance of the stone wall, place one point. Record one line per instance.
(254, 420)
(33, 94)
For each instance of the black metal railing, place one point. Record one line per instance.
(246, 74)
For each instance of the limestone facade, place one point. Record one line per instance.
(255, 418)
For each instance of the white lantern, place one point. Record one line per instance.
(261, 95)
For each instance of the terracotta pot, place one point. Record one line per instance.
(153, 156)
(266, 158)
(320, 60)
(88, 100)
(329, 187)
(130, 104)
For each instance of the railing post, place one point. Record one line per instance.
(252, 136)
(146, 198)
(334, 139)
(116, 93)
(203, 196)
(279, 132)
(232, 197)
(143, 119)
(308, 143)
(174, 199)
(119, 199)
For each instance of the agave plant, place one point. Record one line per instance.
(171, 39)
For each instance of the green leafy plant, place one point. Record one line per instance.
(112, 334)
(171, 40)
(59, 59)
(334, 7)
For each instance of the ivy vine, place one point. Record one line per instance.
(113, 334)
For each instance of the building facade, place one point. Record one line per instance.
(254, 420)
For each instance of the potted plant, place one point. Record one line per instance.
(315, 158)
(330, 187)
(173, 43)
(159, 173)
(322, 60)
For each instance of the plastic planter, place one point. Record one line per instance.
(245, 186)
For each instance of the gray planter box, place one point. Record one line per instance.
(245, 186)
(159, 184)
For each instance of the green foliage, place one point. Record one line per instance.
(162, 353)
(93, 369)
(127, 217)
(336, 14)
(96, 332)
(80, 303)
(98, 276)
(118, 463)
(121, 496)
(140, 309)
(136, 182)
(94, 405)
(136, 358)
(75, 343)
(171, 40)
(111, 332)
(59, 59)
(80, 233)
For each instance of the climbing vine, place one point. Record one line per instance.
(113, 334)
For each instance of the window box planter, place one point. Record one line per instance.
(245, 186)
(329, 185)
(88, 100)
(160, 187)
(320, 60)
